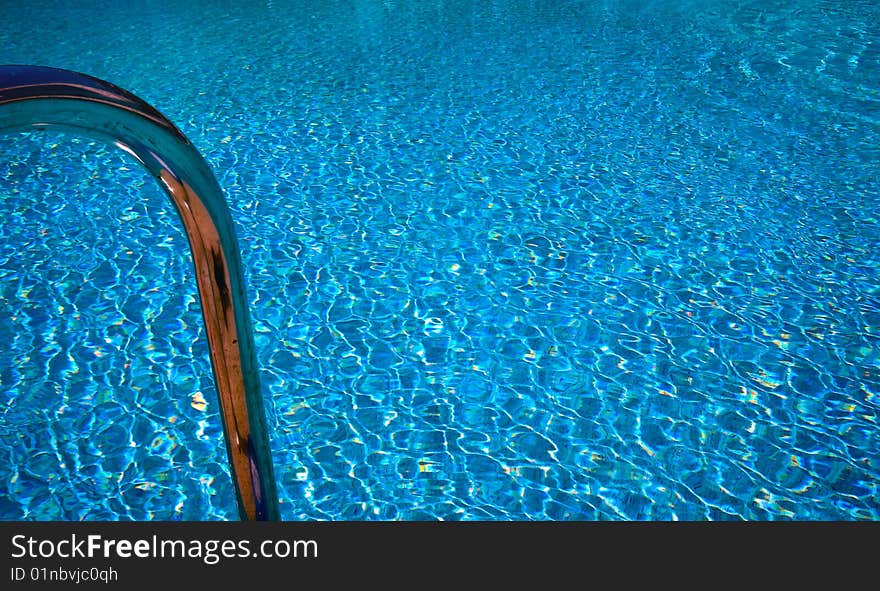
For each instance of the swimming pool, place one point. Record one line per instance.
(507, 260)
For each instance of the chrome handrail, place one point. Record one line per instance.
(33, 97)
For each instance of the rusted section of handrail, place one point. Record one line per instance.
(33, 97)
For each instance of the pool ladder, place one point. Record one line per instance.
(33, 97)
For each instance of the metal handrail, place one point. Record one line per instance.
(33, 97)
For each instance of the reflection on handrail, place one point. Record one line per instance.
(34, 97)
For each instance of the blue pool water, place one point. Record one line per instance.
(507, 260)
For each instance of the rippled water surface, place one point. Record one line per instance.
(506, 259)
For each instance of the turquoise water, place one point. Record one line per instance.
(507, 261)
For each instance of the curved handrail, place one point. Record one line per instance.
(38, 97)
